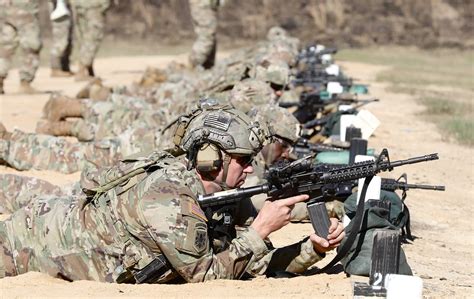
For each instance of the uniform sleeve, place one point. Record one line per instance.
(295, 258)
(177, 227)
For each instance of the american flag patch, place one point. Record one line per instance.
(219, 120)
(196, 210)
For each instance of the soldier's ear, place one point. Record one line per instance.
(208, 158)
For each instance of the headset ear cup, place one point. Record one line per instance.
(208, 158)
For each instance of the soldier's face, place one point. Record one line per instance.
(275, 151)
(239, 167)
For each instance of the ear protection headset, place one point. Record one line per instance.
(208, 158)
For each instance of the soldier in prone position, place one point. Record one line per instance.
(139, 221)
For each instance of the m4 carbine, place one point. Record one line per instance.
(303, 177)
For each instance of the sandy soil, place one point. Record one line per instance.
(442, 255)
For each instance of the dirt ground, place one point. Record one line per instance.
(442, 254)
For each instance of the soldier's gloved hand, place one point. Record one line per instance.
(336, 234)
(275, 214)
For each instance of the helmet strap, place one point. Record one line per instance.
(225, 167)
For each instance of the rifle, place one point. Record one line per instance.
(310, 104)
(309, 56)
(303, 177)
(344, 189)
(303, 147)
(402, 184)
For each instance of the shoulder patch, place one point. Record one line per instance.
(195, 240)
(191, 208)
(200, 239)
(197, 211)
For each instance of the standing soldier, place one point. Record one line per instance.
(19, 26)
(61, 24)
(204, 14)
(89, 21)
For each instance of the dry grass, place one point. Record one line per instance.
(442, 80)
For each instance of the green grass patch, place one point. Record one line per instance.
(461, 128)
(442, 80)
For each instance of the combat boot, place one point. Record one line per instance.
(83, 73)
(54, 128)
(59, 107)
(58, 73)
(25, 87)
(94, 90)
(99, 92)
(4, 134)
(2, 91)
(5, 137)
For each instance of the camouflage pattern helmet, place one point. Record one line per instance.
(250, 93)
(272, 70)
(276, 32)
(281, 123)
(229, 129)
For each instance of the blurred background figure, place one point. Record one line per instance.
(61, 48)
(89, 23)
(19, 27)
(204, 15)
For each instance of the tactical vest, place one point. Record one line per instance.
(139, 265)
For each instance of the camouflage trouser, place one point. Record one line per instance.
(89, 24)
(7, 264)
(18, 191)
(109, 119)
(204, 14)
(19, 28)
(62, 42)
(44, 152)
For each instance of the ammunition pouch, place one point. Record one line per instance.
(149, 274)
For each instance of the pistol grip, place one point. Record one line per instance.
(318, 215)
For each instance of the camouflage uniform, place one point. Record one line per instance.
(111, 118)
(89, 21)
(19, 26)
(18, 191)
(204, 15)
(62, 40)
(115, 233)
(25, 151)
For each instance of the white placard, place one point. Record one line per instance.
(345, 121)
(403, 286)
(373, 191)
(367, 122)
(333, 69)
(334, 88)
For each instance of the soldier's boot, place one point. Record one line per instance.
(2, 91)
(84, 73)
(94, 90)
(4, 134)
(59, 107)
(58, 73)
(25, 87)
(58, 69)
(54, 128)
(99, 92)
(5, 137)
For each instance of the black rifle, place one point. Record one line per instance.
(402, 184)
(303, 147)
(309, 56)
(303, 177)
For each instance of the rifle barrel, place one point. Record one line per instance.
(414, 160)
